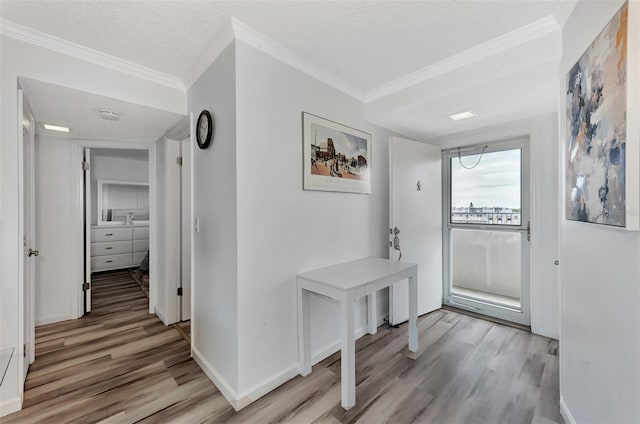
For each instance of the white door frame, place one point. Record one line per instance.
(186, 223)
(172, 208)
(77, 223)
(87, 225)
(26, 287)
(176, 225)
(524, 316)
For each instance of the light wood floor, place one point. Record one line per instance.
(122, 365)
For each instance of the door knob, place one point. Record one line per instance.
(33, 252)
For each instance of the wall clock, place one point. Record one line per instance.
(205, 127)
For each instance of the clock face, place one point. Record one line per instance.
(204, 129)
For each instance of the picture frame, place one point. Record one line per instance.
(336, 157)
(602, 146)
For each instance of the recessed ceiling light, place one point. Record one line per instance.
(462, 115)
(109, 115)
(55, 128)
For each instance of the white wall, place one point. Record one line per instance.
(284, 230)
(215, 302)
(600, 318)
(21, 59)
(545, 232)
(54, 276)
(114, 168)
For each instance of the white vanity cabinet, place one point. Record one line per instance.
(118, 246)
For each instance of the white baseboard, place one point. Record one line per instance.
(265, 386)
(332, 348)
(53, 319)
(227, 391)
(10, 406)
(566, 414)
(239, 401)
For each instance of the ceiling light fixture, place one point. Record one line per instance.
(109, 115)
(462, 115)
(55, 128)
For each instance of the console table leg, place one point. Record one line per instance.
(348, 353)
(372, 313)
(304, 332)
(413, 313)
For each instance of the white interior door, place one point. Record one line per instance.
(185, 233)
(86, 168)
(27, 141)
(172, 230)
(415, 213)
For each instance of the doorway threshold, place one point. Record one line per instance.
(461, 311)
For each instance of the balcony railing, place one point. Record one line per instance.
(490, 218)
(486, 265)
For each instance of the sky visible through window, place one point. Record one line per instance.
(495, 182)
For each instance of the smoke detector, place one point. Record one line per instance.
(109, 115)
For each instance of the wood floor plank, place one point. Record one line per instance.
(119, 364)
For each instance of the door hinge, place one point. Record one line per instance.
(528, 230)
(179, 160)
(24, 350)
(179, 291)
(86, 286)
(85, 166)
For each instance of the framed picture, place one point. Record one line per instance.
(602, 133)
(336, 157)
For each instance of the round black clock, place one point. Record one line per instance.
(205, 127)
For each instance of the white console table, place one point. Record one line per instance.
(345, 283)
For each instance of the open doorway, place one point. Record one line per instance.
(83, 144)
(116, 207)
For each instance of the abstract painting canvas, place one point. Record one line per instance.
(596, 112)
(336, 157)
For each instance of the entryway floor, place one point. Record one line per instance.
(122, 365)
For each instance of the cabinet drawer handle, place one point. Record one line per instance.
(108, 248)
(109, 234)
(109, 262)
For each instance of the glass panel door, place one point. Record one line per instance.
(486, 231)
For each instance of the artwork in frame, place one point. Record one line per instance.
(601, 180)
(336, 157)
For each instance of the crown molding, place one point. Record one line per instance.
(482, 51)
(263, 43)
(236, 29)
(219, 43)
(60, 45)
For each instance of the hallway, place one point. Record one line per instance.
(122, 365)
(119, 362)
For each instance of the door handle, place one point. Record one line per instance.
(33, 252)
(396, 241)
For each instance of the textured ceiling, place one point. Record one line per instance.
(365, 42)
(78, 110)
